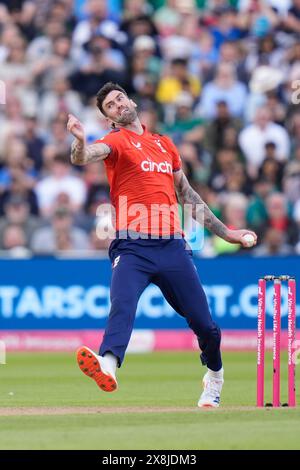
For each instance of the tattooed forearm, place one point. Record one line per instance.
(214, 224)
(187, 195)
(78, 152)
(82, 154)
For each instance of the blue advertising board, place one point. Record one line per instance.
(74, 294)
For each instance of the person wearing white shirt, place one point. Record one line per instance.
(61, 180)
(253, 138)
(224, 87)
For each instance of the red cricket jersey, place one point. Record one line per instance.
(140, 173)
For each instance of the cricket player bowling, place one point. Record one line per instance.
(144, 170)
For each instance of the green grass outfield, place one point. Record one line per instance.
(47, 403)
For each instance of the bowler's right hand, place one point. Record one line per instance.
(75, 127)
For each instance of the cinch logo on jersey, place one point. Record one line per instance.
(162, 167)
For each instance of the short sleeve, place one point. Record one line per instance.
(175, 154)
(112, 142)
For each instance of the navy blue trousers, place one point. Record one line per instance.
(169, 265)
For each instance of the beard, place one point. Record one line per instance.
(127, 117)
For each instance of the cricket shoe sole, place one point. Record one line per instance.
(90, 365)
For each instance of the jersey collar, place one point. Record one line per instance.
(134, 133)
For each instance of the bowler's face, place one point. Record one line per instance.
(118, 108)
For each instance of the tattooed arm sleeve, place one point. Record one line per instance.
(187, 195)
(82, 154)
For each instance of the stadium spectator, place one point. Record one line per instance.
(141, 25)
(195, 163)
(223, 163)
(144, 86)
(149, 117)
(145, 46)
(265, 53)
(12, 122)
(41, 46)
(17, 212)
(98, 234)
(17, 165)
(256, 211)
(185, 126)
(215, 133)
(232, 52)
(234, 209)
(179, 79)
(264, 82)
(297, 220)
(60, 179)
(204, 55)
(224, 87)
(95, 124)
(34, 142)
(134, 8)
(271, 169)
(94, 73)
(278, 218)
(258, 17)
(19, 187)
(59, 99)
(60, 235)
(57, 60)
(167, 18)
(16, 70)
(263, 130)
(97, 14)
(237, 181)
(273, 244)
(226, 27)
(295, 133)
(14, 241)
(57, 135)
(292, 22)
(291, 180)
(276, 108)
(8, 33)
(112, 50)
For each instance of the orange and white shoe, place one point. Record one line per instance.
(210, 397)
(94, 366)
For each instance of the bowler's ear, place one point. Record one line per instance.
(133, 103)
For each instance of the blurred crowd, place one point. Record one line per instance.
(220, 77)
